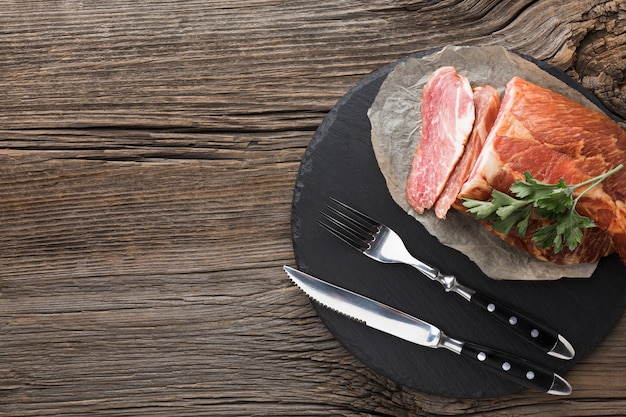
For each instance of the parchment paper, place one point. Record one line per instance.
(396, 124)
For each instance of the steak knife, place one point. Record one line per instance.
(404, 326)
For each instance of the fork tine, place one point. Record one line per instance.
(349, 225)
(346, 223)
(355, 216)
(343, 233)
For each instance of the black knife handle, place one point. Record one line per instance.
(522, 371)
(528, 328)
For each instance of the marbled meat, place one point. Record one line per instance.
(486, 104)
(552, 137)
(447, 112)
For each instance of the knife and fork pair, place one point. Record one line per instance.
(382, 244)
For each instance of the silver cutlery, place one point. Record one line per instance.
(382, 244)
(397, 323)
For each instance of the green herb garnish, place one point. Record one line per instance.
(554, 202)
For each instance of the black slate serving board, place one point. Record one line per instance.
(340, 162)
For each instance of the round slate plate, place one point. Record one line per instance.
(340, 162)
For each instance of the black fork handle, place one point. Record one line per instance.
(530, 329)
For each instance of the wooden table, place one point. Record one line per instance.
(148, 156)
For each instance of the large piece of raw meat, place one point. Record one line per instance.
(552, 137)
(395, 118)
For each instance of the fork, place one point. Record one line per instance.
(382, 244)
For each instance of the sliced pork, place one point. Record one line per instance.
(486, 104)
(553, 137)
(447, 112)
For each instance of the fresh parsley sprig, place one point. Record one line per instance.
(555, 202)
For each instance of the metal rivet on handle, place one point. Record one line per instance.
(506, 366)
(491, 307)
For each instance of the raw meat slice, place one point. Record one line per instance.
(552, 137)
(447, 118)
(486, 104)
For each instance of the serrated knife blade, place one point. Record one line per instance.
(404, 326)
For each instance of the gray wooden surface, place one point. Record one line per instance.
(148, 152)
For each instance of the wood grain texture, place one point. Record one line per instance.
(148, 152)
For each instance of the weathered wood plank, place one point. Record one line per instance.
(263, 66)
